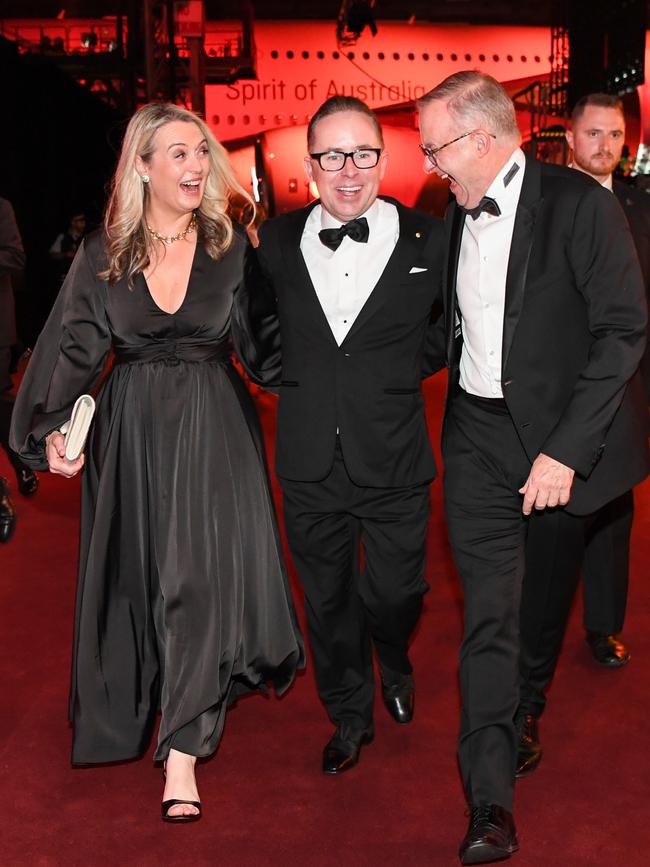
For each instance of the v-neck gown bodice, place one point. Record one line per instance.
(183, 600)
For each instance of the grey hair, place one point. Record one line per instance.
(477, 100)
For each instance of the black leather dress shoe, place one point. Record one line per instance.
(7, 512)
(491, 835)
(399, 698)
(529, 749)
(607, 649)
(27, 482)
(342, 752)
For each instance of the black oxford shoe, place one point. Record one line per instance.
(27, 482)
(491, 835)
(607, 649)
(529, 749)
(7, 512)
(399, 698)
(342, 753)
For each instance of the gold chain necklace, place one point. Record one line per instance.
(169, 239)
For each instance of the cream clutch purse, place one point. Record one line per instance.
(76, 430)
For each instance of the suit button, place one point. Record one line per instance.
(347, 354)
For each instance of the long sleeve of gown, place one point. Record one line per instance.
(67, 361)
(255, 323)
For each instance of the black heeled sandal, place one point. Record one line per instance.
(172, 802)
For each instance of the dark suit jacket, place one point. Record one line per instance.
(574, 332)
(636, 205)
(12, 261)
(369, 387)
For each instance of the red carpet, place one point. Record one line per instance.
(265, 800)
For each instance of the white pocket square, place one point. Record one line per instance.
(415, 270)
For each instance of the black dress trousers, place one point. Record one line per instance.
(485, 465)
(606, 566)
(558, 545)
(554, 554)
(351, 609)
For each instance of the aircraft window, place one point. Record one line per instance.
(454, 56)
(246, 119)
(425, 56)
(320, 54)
(278, 118)
(335, 55)
(524, 59)
(305, 54)
(495, 57)
(262, 118)
(468, 57)
(366, 55)
(395, 55)
(411, 55)
(230, 119)
(381, 55)
(215, 119)
(351, 55)
(509, 58)
(440, 56)
(481, 57)
(537, 58)
(290, 55)
(274, 55)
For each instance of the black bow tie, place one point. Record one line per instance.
(486, 204)
(357, 230)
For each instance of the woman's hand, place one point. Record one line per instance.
(55, 454)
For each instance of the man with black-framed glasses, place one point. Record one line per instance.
(352, 281)
(545, 327)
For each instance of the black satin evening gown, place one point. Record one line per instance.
(182, 600)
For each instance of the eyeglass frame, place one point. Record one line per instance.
(431, 153)
(346, 156)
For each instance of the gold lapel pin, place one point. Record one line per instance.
(418, 234)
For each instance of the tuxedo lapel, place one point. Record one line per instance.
(520, 249)
(455, 221)
(407, 251)
(295, 264)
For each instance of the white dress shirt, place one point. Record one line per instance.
(344, 278)
(481, 282)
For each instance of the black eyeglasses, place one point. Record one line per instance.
(333, 161)
(430, 153)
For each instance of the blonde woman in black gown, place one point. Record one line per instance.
(182, 599)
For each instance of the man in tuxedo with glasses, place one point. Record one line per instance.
(343, 294)
(545, 328)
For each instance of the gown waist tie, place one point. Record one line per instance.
(173, 352)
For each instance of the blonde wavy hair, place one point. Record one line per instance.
(128, 244)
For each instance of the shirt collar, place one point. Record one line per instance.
(505, 188)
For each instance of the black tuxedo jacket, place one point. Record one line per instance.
(636, 205)
(368, 387)
(573, 334)
(12, 261)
